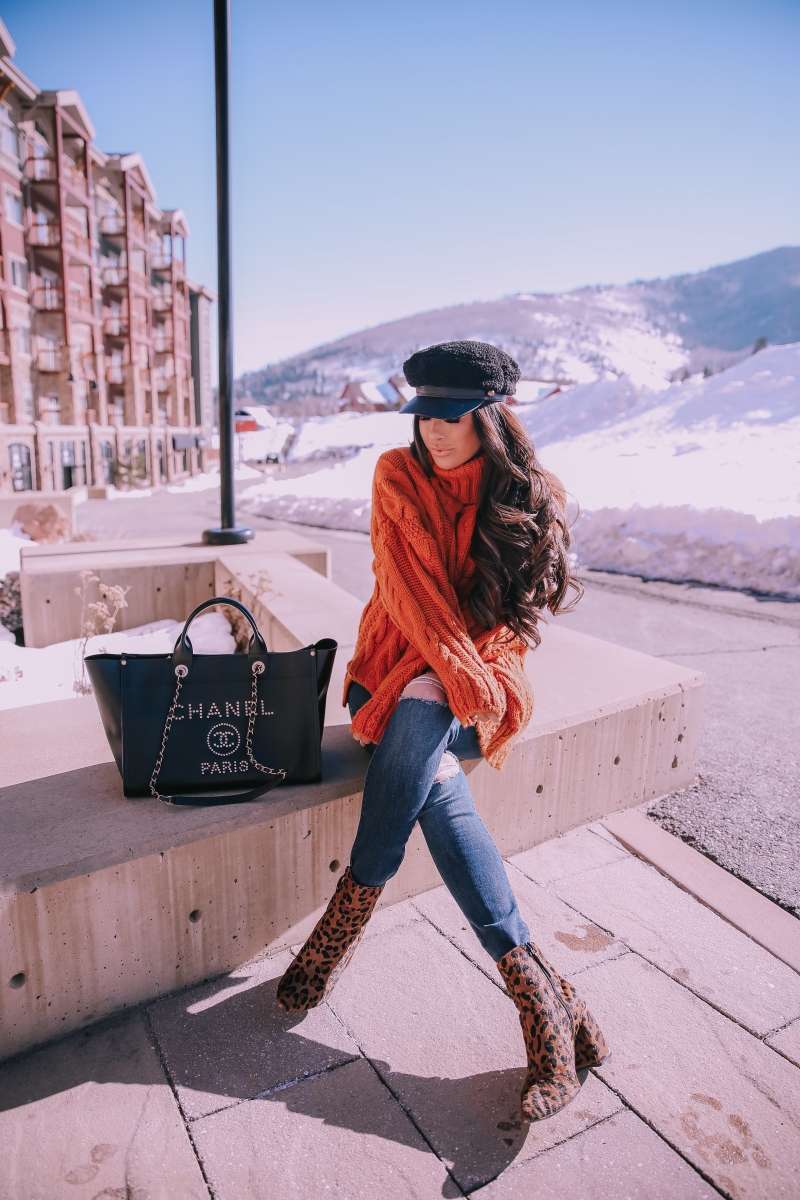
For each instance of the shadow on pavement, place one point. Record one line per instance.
(227, 1042)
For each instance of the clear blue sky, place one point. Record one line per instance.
(393, 157)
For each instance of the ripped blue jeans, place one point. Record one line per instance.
(410, 778)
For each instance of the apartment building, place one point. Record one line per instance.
(104, 345)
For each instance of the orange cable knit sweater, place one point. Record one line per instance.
(418, 616)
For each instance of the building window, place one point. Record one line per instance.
(19, 273)
(27, 402)
(23, 339)
(9, 139)
(20, 460)
(13, 206)
(107, 461)
(50, 409)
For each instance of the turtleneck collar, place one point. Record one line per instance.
(462, 483)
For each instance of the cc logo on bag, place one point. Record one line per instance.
(223, 740)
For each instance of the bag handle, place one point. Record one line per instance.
(182, 654)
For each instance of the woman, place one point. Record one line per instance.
(470, 542)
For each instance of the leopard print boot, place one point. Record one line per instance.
(552, 1017)
(591, 1048)
(313, 974)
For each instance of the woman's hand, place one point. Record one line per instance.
(361, 741)
(489, 718)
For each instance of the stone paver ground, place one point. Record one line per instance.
(405, 1084)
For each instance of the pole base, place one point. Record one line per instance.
(228, 537)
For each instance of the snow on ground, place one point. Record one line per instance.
(337, 497)
(210, 479)
(349, 431)
(698, 481)
(11, 542)
(31, 676)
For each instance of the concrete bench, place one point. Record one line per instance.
(108, 902)
(167, 577)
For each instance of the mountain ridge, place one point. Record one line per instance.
(648, 330)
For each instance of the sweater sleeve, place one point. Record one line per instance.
(506, 657)
(421, 601)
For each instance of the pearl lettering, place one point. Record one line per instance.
(233, 708)
(216, 768)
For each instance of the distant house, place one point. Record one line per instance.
(402, 387)
(259, 437)
(367, 397)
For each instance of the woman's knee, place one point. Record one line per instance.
(448, 768)
(425, 687)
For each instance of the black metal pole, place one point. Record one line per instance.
(229, 532)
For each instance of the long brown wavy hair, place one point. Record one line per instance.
(521, 541)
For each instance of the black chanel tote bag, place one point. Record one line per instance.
(214, 728)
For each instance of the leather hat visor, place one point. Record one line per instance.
(448, 403)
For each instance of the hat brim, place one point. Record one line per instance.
(441, 407)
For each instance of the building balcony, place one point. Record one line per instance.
(48, 299)
(161, 301)
(45, 170)
(160, 260)
(113, 226)
(77, 241)
(79, 302)
(163, 345)
(114, 373)
(115, 276)
(49, 360)
(73, 177)
(44, 235)
(116, 326)
(41, 170)
(89, 366)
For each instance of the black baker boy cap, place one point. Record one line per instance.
(455, 378)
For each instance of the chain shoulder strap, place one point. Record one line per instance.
(258, 669)
(181, 672)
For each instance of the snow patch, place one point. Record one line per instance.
(36, 676)
(210, 479)
(711, 546)
(350, 431)
(11, 542)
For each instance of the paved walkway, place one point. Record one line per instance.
(406, 1083)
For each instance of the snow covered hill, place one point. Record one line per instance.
(650, 331)
(698, 481)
